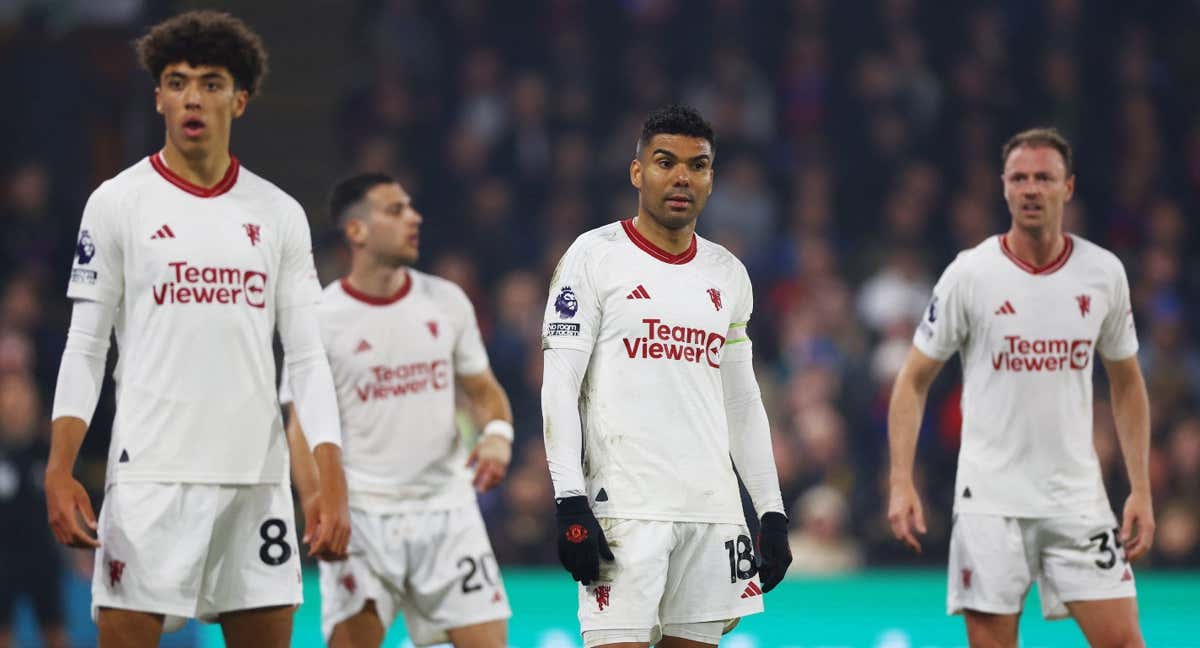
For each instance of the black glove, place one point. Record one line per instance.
(581, 542)
(774, 554)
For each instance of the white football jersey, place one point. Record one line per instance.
(196, 276)
(394, 362)
(1027, 337)
(657, 327)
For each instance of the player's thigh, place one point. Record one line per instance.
(117, 628)
(1109, 623)
(711, 578)
(363, 629)
(990, 567)
(254, 557)
(269, 627)
(1082, 560)
(692, 635)
(985, 630)
(454, 581)
(489, 634)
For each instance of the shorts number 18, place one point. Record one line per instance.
(740, 552)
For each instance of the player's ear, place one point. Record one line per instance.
(635, 173)
(158, 100)
(355, 231)
(1070, 188)
(240, 99)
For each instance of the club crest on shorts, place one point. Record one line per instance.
(349, 583)
(566, 304)
(966, 578)
(601, 593)
(116, 569)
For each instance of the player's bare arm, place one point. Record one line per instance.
(904, 422)
(321, 483)
(67, 502)
(1131, 410)
(304, 472)
(493, 451)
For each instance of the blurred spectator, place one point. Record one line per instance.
(820, 540)
(29, 557)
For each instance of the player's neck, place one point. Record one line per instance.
(205, 170)
(377, 281)
(1036, 247)
(669, 240)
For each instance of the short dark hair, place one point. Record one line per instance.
(1035, 137)
(349, 191)
(205, 38)
(676, 119)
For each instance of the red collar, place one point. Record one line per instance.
(1058, 262)
(226, 183)
(378, 301)
(655, 251)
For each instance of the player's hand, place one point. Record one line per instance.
(490, 459)
(327, 525)
(581, 541)
(1137, 526)
(67, 504)
(774, 552)
(906, 515)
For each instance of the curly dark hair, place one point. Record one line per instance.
(205, 38)
(1034, 137)
(676, 119)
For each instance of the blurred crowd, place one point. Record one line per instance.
(857, 151)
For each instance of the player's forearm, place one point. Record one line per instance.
(750, 436)
(904, 423)
(561, 426)
(305, 474)
(328, 460)
(488, 398)
(66, 437)
(1131, 411)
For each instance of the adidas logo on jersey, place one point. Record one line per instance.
(363, 345)
(1006, 309)
(163, 232)
(752, 590)
(638, 293)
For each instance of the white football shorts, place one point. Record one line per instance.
(196, 550)
(435, 567)
(678, 579)
(994, 560)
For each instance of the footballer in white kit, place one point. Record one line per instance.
(197, 517)
(397, 346)
(649, 377)
(1030, 504)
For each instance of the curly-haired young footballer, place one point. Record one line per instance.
(648, 377)
(196, 261)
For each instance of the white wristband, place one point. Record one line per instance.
(502, 429)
